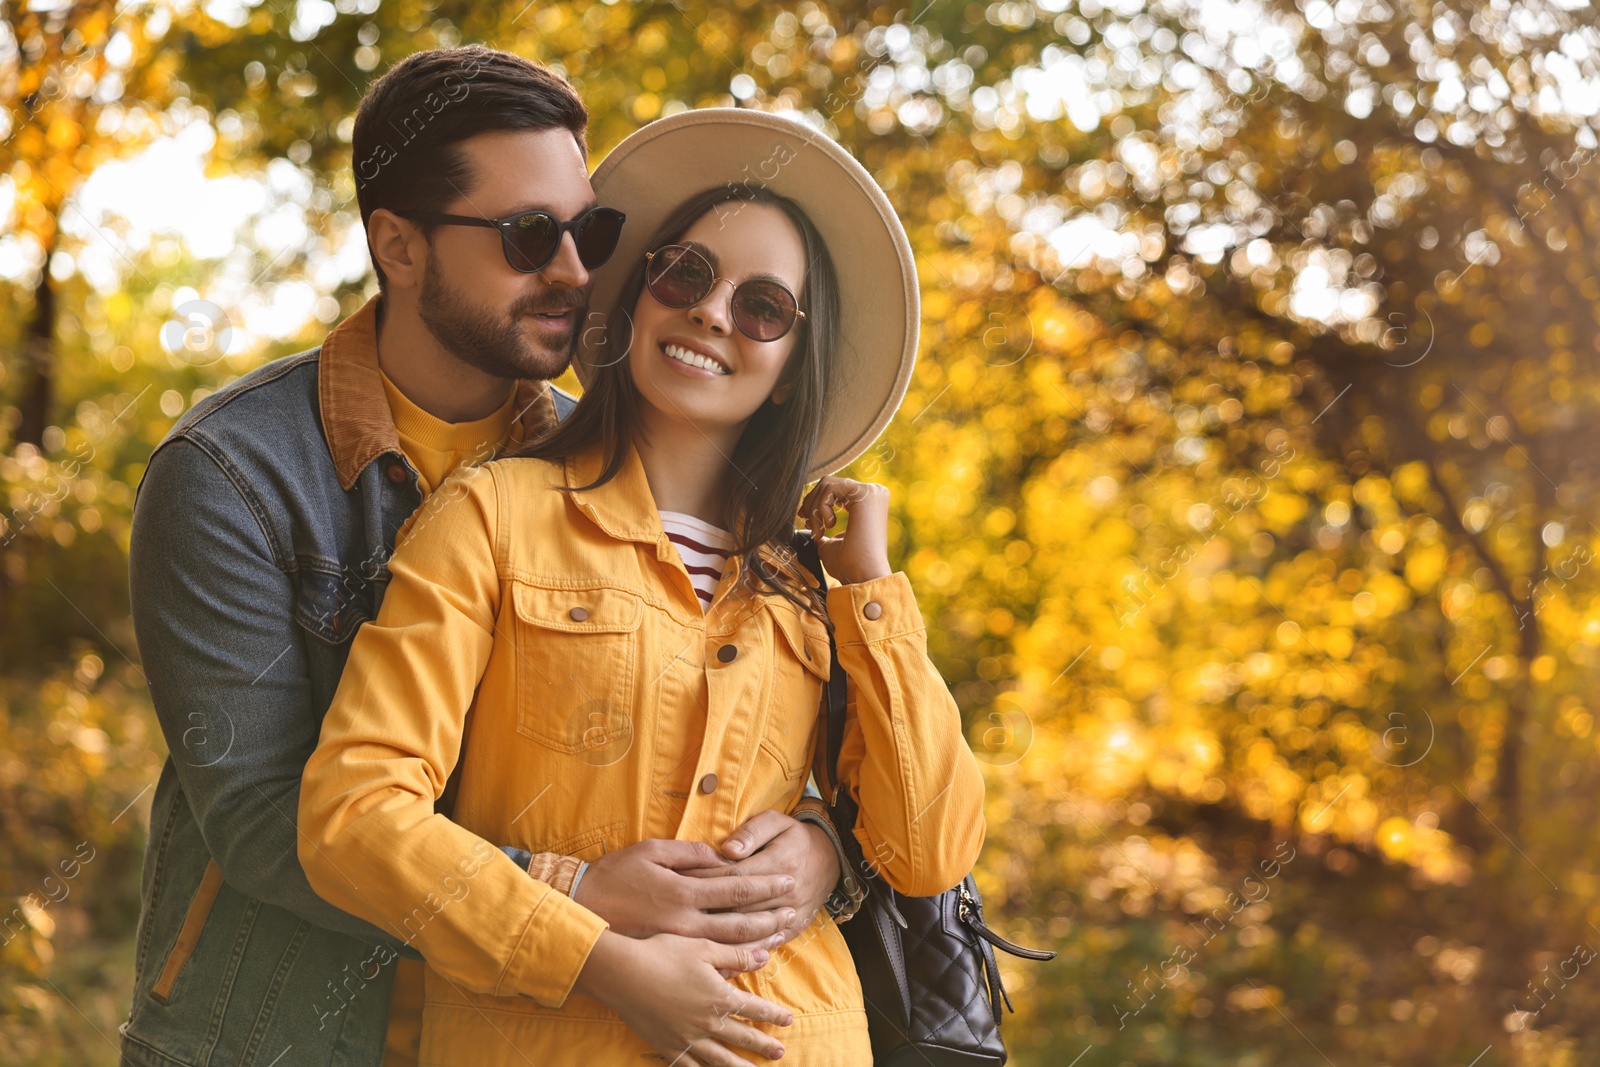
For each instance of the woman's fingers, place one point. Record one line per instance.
(819, 513)
(713, 1053)
(819, 508)
(740, 1035)
(821, 501)
(733, 959)
(758, 1010)
(741, 959)
(809, 501)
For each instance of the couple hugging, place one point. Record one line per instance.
(492, 713)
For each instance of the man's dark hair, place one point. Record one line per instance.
(412, 118)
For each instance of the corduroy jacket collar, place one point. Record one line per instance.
(355, 412)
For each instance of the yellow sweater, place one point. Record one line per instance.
(436, 447)
(553, 644)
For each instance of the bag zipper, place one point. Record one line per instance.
(968, 910)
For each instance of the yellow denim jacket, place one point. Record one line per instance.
(553, 646)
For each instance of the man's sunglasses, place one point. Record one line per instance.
(531, 239)
(680, 277)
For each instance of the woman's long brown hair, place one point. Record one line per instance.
(776, 449)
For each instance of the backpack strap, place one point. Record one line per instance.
(835, 693)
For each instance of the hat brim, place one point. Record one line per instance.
(658, 167)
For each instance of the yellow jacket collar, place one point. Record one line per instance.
(625, 508)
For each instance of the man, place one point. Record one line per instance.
(261, 534)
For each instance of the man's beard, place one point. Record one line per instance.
(495, 344)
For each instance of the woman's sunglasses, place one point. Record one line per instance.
(531, 239)
(680, 277)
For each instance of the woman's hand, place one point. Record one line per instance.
(668, 989)
(861, 553)
(773, 845)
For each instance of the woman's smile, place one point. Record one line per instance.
(693, 361)
(707, 377)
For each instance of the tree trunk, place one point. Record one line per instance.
(1508, 774)
(39, 360)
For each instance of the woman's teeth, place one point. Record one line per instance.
(693, 359)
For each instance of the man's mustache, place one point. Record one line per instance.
(536, 306)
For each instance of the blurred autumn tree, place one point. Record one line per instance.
(83, 83)
(1240, 479)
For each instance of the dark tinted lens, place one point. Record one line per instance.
(679, 276)
(763, 310)
(597, 236)
(531, 241)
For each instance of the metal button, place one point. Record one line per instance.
(726, 654)
(708, 784)
(872, 609)
(396, 473)
(578, 614)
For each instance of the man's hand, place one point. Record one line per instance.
(774, 844)
(646, 889)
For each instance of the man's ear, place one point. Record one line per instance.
(398, 247)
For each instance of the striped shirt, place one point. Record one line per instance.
(703, 548)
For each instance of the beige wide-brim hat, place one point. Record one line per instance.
(658, 167)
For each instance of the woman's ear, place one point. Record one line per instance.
(785, 388)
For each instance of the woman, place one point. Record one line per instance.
(610, 633)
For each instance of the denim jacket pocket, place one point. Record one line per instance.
(576, 653)
(332, 605)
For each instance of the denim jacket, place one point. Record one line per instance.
(261, 537)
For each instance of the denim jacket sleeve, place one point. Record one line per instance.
(213, 616)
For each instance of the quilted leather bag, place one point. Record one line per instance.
(926, 964)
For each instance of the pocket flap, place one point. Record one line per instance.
(599, 610)
(330, 606)
(806, 636)
(194, 921)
